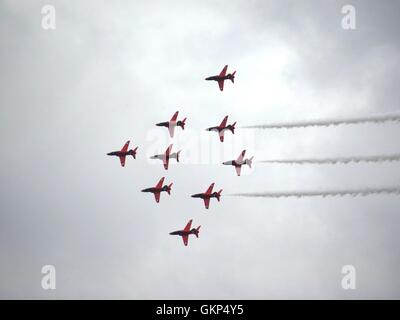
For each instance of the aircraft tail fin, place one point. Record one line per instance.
(197, 231)
(249, 161)
(182, 124)
(133, 152)
(219, 195)
(169, 188)
(233, 77)
(233, 127)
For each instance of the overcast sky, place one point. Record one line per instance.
(111, 70)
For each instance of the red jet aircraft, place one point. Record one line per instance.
(222, 77)
(123, 153)
(166, 156)
(222, 128)
(171, 124)
(208, 195)
(239, 162)
(158, 189)
(186, 232)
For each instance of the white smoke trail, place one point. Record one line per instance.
(327, 193)
(340, 160)
(327, 123)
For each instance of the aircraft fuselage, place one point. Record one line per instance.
(163, 124)
(183, 232)
(159, 156)
(219, 78)
(169, 124)
(234, 163)
(154, 190)
(205, 196)
(116, 153)
(121, 153)
(173, 155)
(220, 129)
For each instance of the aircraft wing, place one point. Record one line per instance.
(166, 162)
(171, 129)
(160, 183)
(223, 72)
(221, 85)
(206, 202)
(122, 160)
(185, 239)
(238, 169)
(188, 226)
(223, 123)
(166, 158)
(241, 157)
(175, 116)
(221, 136)
(157, 196)
(125, 147)
(168, 151)
(210, 188)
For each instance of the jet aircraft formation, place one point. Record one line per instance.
(168, 154)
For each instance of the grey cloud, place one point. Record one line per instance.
(109, 72)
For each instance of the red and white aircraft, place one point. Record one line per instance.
(158, 189)
(171, 124)
(123, 153)
(222, 128)
(208, 195)
(239, 162)
(166, 156)
(222, 77)
(186, 232)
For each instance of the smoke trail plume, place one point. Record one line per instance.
(340, 160)
(326, 193)
(327, 123)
